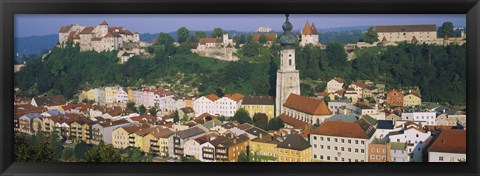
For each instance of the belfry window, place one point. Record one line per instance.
(290, 61)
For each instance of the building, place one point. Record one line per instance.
(414, 139)
(412, 99)
(98, 38)
(157, 141)
(228, 148)
(176, 142)
(419, 115)
(218, 48)
(378, 151)
(259, 104)
(398, 152)
(50, 102)
(309, 35)
(205, 104)
(264, 148)
(309, 110)
(212, 104)
(269, 37)
(335, 85)
(103, 131)
(336, 141)
(294, 149)
(121, 136)
(395, 98)
(335, 105)
(406, 33)
(27, 125)
(288, 80)
(449, 146)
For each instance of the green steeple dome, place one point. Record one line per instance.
(287, 40)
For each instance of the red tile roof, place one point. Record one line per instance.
(87, 30)
(295, 123)
(307, 30)
(65, 29)
(210, 40)
(212, 97)
(270, 37)
(307, 105)
(342, 129)
(450, 141)
(235, 97)
(339, 80)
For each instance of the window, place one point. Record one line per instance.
(336, 148)
(349, 149)
(356, 141)
(328, 147)
(315, 146)
(328, 139)
(321, 157)
(363, 151)
(349, 141)
(315, 156)
(321, 146)
(321, 138)
(336, 158)
(372, 157)
(314, 137)
(373, 150)
(378, 150)
(343, 149)
(440, 158)
(356, 150)
(343, 141)
(336, 140)
(363, 142)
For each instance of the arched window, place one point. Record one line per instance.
(290, 61)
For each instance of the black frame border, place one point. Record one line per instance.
(10, 7)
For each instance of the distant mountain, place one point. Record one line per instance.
(35, 45)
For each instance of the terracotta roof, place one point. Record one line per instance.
(339, 80)
(65, 29)
(406, 28)
(295, 123)
(235, 97)
(187, 110)
(270, 37)
(113, 123)
(307, 105)
(144, 118)
(450, 141)
(322, 94)
(210, 40)
(20, 110)
(314, 29)
(438, 127)
(340, 92)
(55, 100)
(307, 30)
(202, 118)
(245, 126)
(104, 23)
(342, 129)
(295, 142)
(131, 129)
(87, 30)
(79, 106)
(360, 84)
(266, 138)
(258, 100)
(212, 97)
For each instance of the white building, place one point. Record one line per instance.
(205, 104)
(212, 104)
(414, 139)
(398, 33)
(420, 116)
(450, 146)
(334, 85)
(336, 141)
(309, 35)
(122, 96)
(398, 152)
(305, 109)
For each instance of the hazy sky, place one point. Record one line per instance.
(34, 24)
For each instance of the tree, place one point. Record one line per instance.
(370, 36)
(79, 150)
(103, 153)
(134, 155)
(131, 106)
(167, 41)
(142, 109)
(199, 34)
(242, 157)
(446, 30)
(263, 39)
(67, 154)
(176, 117)
(251, 49)
(153, 111)
(260, 120)
(275, 124)
(217, 33)
(241, 116)
(183, 34)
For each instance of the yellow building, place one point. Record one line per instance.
(259, 104)
(264, 149)
(121, 136)
(131, 98)
(412, 99)
(157, 141)
(76, 130)
(91, 94)
(111, 94)
(294, 149)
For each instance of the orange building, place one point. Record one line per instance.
(395, 98)
(378, 151)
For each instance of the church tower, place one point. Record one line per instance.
(288, 79)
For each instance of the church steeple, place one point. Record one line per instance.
(287, 40)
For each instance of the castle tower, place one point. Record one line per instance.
(288, 79)
(309, 35)
(103, 28)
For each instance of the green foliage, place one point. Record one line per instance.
(131, 106)
(134, 154)
(275, 124)
(241, 116)
(67, 154)
(263, 39)
(183, 34)
(239, 39)
(260, 120)
(199, 34)
(251, 49)
(176, 117)
(79, 150)
(446, 30)
(370, 36)
(153, 111)
(34, 148)
(142, 109)
(103, 153)
(242, 157)
(217, 33)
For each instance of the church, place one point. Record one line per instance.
(293, 108)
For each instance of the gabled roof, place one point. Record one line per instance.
(87, 30)
(258, 100)
(307, 30)
(360, 84)
(295, 142)
(414, 94)
(339, 80)
(369, 119)
(256, 131)
(131, 129)
(270, 37)
(295, 123)
(190, 132)
(235, 97)
(32, 115)
(55, 100)
(161, 132)
(406, 28)
(307, 105)
(65, 29)
(212, 97)
(344, 129)
(450, 141)
(210, 40)
(266, 138)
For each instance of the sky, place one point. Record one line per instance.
(44, 24)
